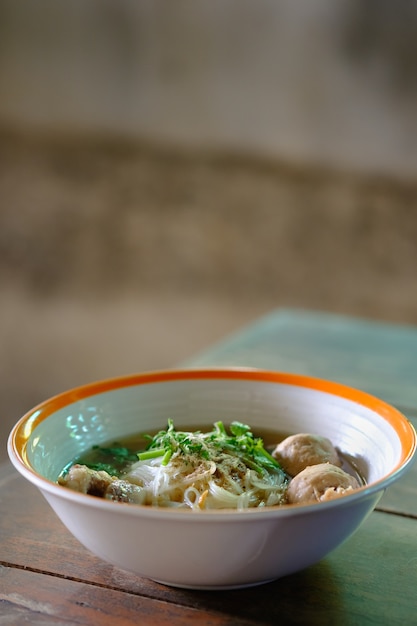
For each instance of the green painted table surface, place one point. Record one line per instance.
(46, 577)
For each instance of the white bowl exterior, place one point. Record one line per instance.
(211, 552)
(211, 549)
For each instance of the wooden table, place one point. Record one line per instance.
(46, 577)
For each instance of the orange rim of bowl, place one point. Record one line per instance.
(25, 426)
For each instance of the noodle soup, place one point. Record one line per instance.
(212, 468)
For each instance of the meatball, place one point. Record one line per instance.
(123, 491)
(297, 452)
(319, 483)
(99, 483)
(85, 480)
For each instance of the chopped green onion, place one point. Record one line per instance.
(151, 454)
(167, 457)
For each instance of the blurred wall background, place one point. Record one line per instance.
(171, 170)
(308, 81)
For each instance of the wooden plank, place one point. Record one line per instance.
(28, 597)
(355, 584)
(371, 579)
(376, 357)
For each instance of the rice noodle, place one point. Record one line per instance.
(206, 484)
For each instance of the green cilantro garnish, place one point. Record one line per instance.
(239, 442)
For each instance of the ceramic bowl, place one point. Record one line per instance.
(215, 549)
